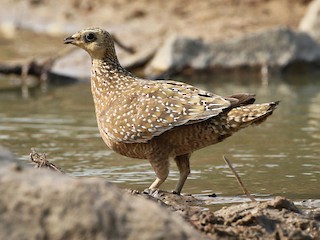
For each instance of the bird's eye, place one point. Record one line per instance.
(89, 37)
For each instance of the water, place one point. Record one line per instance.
(279, 157)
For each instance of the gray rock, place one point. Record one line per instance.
(76, 64)
(39, 204)
(178, 52)
(5, 154)
(278, 218)
(276, 47)
(310, 23)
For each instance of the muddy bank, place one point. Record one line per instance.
(39, 203)
(278, 218)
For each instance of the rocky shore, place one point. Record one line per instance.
(42, 204)
(218, 36)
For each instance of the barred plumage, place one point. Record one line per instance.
(156, 120)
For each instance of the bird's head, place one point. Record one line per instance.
(97, 42)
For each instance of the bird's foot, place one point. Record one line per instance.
(176, 193)
(152, 192)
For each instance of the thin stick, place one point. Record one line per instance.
(244, 189)
(121, 45)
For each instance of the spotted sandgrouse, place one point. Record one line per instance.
(158, 120)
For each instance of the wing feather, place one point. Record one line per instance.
(151, 108)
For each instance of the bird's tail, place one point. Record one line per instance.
(252, 114)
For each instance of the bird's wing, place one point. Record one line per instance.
(152, 107)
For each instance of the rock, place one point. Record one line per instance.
(277, 47)
(42, 204)
(275, 219)
(137, 60)
(178, 53)
(5, 154)
(310, 23)
(76, 64)
(39, 204)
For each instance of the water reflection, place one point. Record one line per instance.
(280, 157)
(314, 115)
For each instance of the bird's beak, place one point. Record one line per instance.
(68, 40)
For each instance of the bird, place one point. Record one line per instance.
(159, 120)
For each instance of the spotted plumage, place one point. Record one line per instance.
(156, 120)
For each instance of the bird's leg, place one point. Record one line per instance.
(161, 168)
(184, 169)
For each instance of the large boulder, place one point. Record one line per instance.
(39, 204)
(310, 23)
(277, 47)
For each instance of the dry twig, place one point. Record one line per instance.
(244, 189)
(40, 159)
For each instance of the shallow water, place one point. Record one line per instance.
(279, 157)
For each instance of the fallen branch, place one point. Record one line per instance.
(40, 67)
(36, 66)
(244, 189)
(40, 159)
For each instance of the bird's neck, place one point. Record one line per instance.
(108, 70)
(108, 80)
